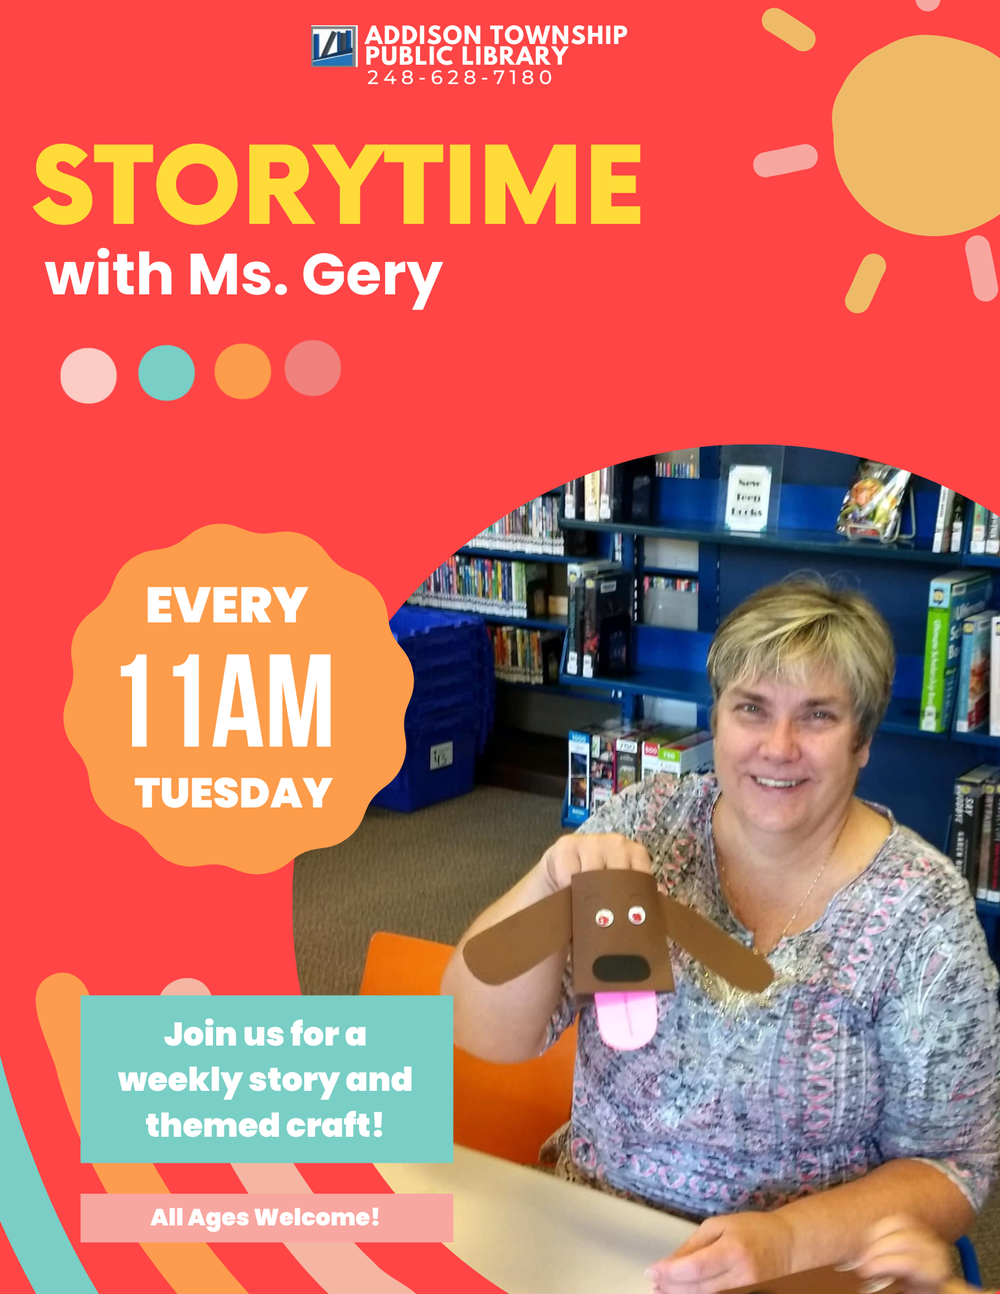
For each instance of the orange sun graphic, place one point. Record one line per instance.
(916, 139)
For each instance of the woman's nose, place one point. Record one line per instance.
(781, 740)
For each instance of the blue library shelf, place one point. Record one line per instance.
(688, 510)
(511, 555)
(555, 623)
(553, 689)
(796, 541)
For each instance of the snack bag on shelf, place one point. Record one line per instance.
(873, 506)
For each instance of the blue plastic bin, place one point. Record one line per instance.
(417, 783)
(451, 711)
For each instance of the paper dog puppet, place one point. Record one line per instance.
(821, 1280)
(620, 926)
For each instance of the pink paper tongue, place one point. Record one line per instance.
(626, 1020)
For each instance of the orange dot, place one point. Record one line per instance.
(242, 371)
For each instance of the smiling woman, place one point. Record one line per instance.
(863, 1080)
(801, 675)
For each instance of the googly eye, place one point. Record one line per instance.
(604, 917)
(637, 915)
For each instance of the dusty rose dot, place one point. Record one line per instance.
(312, 368)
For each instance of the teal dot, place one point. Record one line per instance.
(166, 372)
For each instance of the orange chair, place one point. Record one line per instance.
(505, 1110)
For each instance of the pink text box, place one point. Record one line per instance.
(280, 1219)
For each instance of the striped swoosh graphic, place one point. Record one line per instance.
(187, 1268)
(333, 1266)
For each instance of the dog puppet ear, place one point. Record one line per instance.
(714, 948)
(521, 941)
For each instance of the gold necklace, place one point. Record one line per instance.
(788, 923)
(733, 1002)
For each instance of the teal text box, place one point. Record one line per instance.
(407, 1045)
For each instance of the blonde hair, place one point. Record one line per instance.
(788, 629)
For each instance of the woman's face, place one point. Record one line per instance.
(786, 753)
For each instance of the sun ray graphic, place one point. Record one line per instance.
(916, 126)
(789, 29)
(865, 284)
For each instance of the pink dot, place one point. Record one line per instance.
(186, 988)
(88, 376)
(979, 254)
(312, 368)
(928, 5)
(782, 161)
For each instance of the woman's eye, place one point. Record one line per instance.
(604, 917)
(637, 915)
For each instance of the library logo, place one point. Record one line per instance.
(334, 46)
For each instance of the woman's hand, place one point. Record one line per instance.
(590, 853)
(901, 1249)
(726, 1252)
(506, 1023)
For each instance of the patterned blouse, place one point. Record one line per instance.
(877, 1040)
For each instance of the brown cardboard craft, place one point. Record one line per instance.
(627, 953)
(820, 1280)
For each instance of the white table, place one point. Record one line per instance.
(531, 1233)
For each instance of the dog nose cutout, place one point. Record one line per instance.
(621, 968)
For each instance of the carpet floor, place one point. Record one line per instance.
(429, 874)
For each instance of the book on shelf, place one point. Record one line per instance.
(578, 785)
(605, 758)
(995, 677)
(628, 759)
(484, 586)
(954, 513)
(967, 822)
(958, 523)
(943, 520)
(532, 529)
(951, 599)
(977, 538)
(577, 574)
(683, 464)
(592, 496)
(972, 693)
(523, 655)
(607, 624)
(573, 500)
(992, 544)
(627, 753)
(591, 767)
(626, 491)
(604, 494)
(676, 755)
(988, 867)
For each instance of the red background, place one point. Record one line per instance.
(544, 351)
